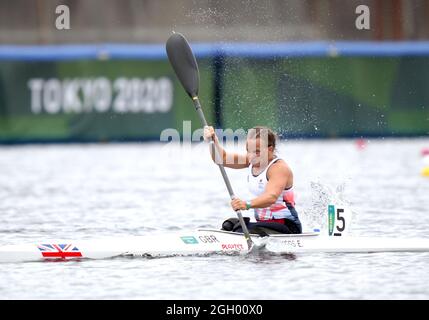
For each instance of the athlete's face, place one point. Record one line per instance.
(258, 151)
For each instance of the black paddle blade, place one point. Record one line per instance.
(184, 64)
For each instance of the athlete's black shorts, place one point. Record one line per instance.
(286, 226)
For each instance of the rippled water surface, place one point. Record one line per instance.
(90, 191)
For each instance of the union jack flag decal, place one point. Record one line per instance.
(62, 251)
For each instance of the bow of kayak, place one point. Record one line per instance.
(200, 242)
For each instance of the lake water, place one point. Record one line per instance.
(84, 191)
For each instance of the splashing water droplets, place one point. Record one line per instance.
(322, 196)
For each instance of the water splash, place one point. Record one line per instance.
(322, 195)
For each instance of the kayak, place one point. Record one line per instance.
(204, 242)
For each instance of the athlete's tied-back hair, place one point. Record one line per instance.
(265, 133)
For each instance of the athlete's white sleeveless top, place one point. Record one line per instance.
(279, 209)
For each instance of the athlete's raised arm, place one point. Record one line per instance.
(227, 159)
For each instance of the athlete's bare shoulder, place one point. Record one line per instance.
(281, 168)
(281, 165)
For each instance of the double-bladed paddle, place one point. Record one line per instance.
(185, 66)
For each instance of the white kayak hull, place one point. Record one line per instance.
(347, 244)
(179, 243)
(202, 242)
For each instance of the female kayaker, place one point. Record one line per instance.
(270, 180)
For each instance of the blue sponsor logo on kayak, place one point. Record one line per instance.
(189, 240)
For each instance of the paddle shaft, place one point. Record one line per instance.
(224, 175)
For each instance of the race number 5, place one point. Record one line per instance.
(338, 219)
